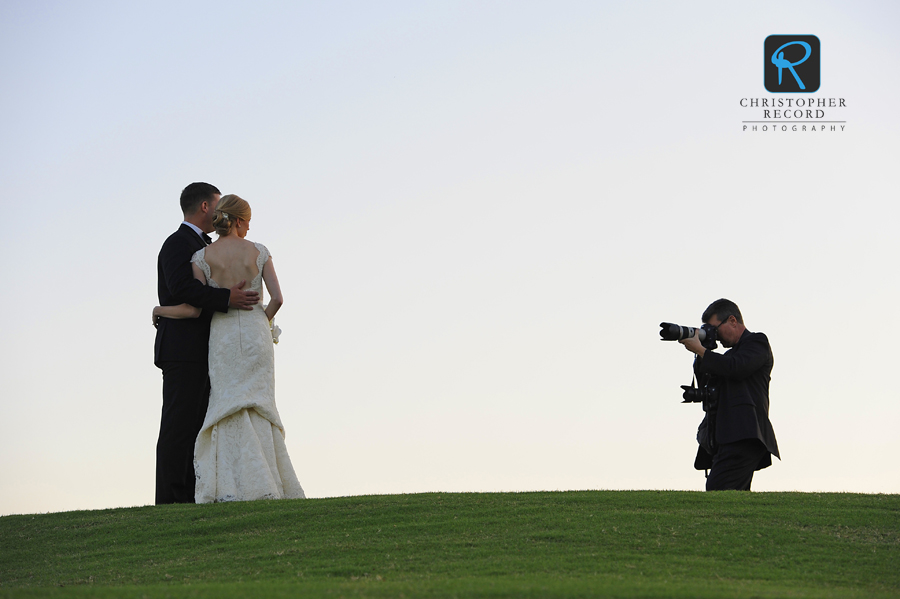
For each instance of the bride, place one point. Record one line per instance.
(240, 453)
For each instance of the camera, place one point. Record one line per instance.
(673, 332)
(705, 394)
(703, 388)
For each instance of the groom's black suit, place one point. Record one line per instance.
(181, 351)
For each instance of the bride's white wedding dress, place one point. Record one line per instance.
(240, 453)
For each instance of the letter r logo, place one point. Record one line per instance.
(792, 64)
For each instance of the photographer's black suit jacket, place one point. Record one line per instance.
(742, 377)
(185, 340)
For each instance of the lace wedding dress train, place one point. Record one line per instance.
(240, 453)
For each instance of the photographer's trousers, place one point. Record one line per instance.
(733, 465)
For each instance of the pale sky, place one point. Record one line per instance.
(479, 213)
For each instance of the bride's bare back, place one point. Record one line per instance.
(232, 260)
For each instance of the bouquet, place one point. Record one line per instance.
(276, 330)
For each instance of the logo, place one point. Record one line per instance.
(792, 64)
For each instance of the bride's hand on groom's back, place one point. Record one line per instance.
(243, 300)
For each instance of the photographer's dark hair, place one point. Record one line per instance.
(195, 194)
(723, 308)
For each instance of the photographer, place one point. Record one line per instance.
(743, 440)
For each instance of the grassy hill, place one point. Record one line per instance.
(572, 544)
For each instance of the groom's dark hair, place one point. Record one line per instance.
(195, 194)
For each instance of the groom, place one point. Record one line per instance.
(182, 346)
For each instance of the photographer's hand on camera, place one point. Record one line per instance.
(693, 344)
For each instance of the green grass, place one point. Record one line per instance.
(573, 544)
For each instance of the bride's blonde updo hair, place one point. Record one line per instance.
(228, 209)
